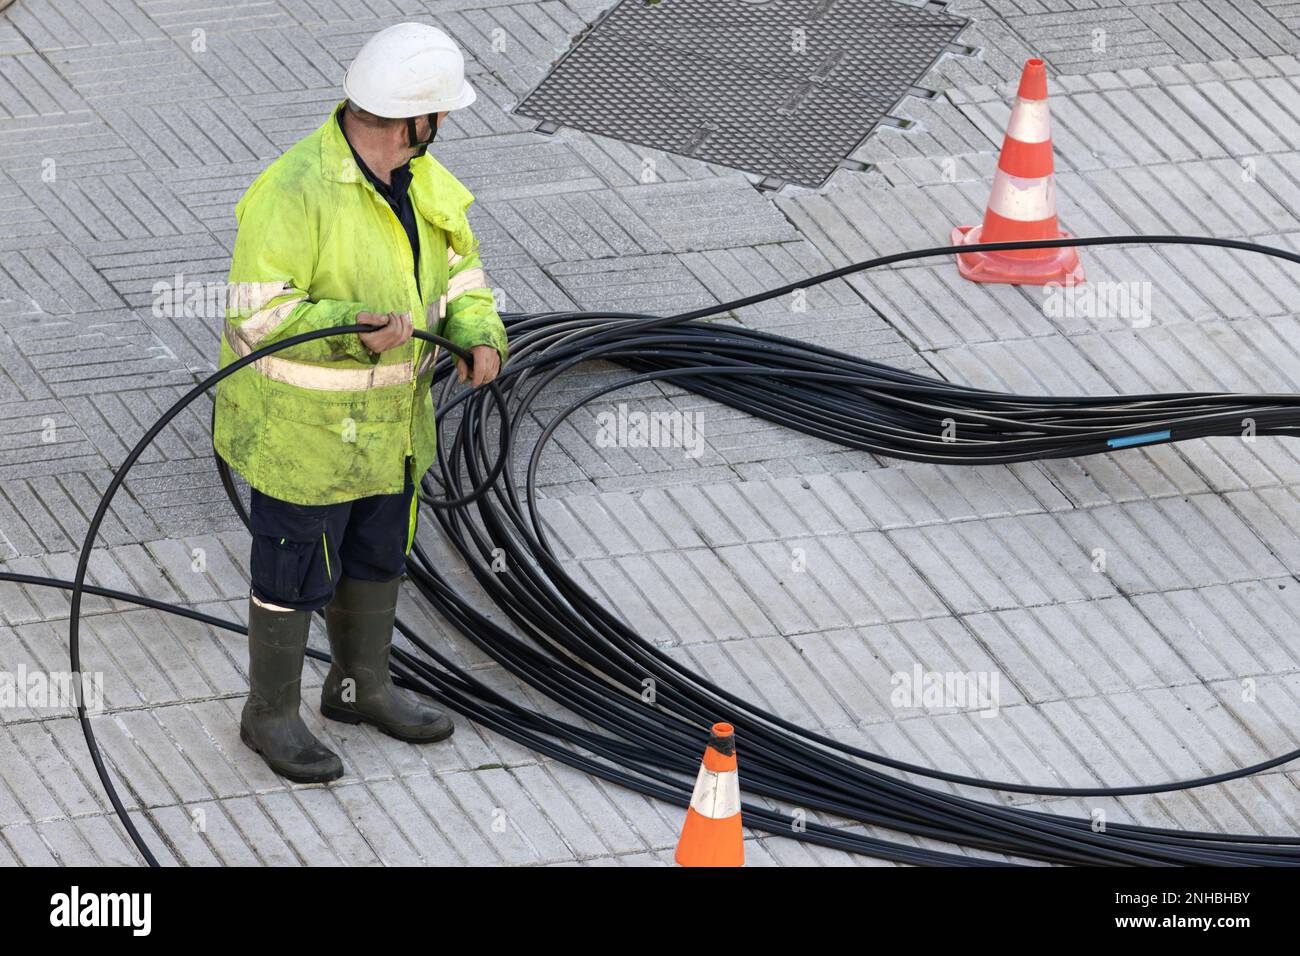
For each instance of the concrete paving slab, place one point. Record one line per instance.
(1140, 609)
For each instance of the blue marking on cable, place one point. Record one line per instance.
(1144, 439)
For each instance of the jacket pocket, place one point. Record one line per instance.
(383, 402)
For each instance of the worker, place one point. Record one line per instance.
(355, 224)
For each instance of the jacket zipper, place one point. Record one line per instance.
(398, 231)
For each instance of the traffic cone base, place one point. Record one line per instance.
(1061, 266)
(709, 842)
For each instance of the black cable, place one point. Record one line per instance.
(585, 658)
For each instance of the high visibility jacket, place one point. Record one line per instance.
(330, 421)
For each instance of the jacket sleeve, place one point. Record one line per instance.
(270, 275)
(472, 317)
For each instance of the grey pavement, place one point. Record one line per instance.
(1141, 610)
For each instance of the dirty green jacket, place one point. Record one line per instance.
(330, 421)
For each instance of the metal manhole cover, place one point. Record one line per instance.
(780, 88)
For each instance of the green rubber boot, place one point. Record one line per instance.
(271, 724)
(359, 687)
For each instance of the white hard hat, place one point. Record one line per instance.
(406, 70)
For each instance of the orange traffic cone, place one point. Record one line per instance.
(1022, 204)
(711, 834)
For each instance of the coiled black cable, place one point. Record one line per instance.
(586, 658)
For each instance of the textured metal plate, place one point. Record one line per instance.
(780, 88)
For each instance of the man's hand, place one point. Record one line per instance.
(487, 362)
(396, 330)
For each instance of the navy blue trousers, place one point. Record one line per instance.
(300, 551)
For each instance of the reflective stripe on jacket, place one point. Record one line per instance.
(330, 421)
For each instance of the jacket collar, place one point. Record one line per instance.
(337, 163)
(438, 195)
